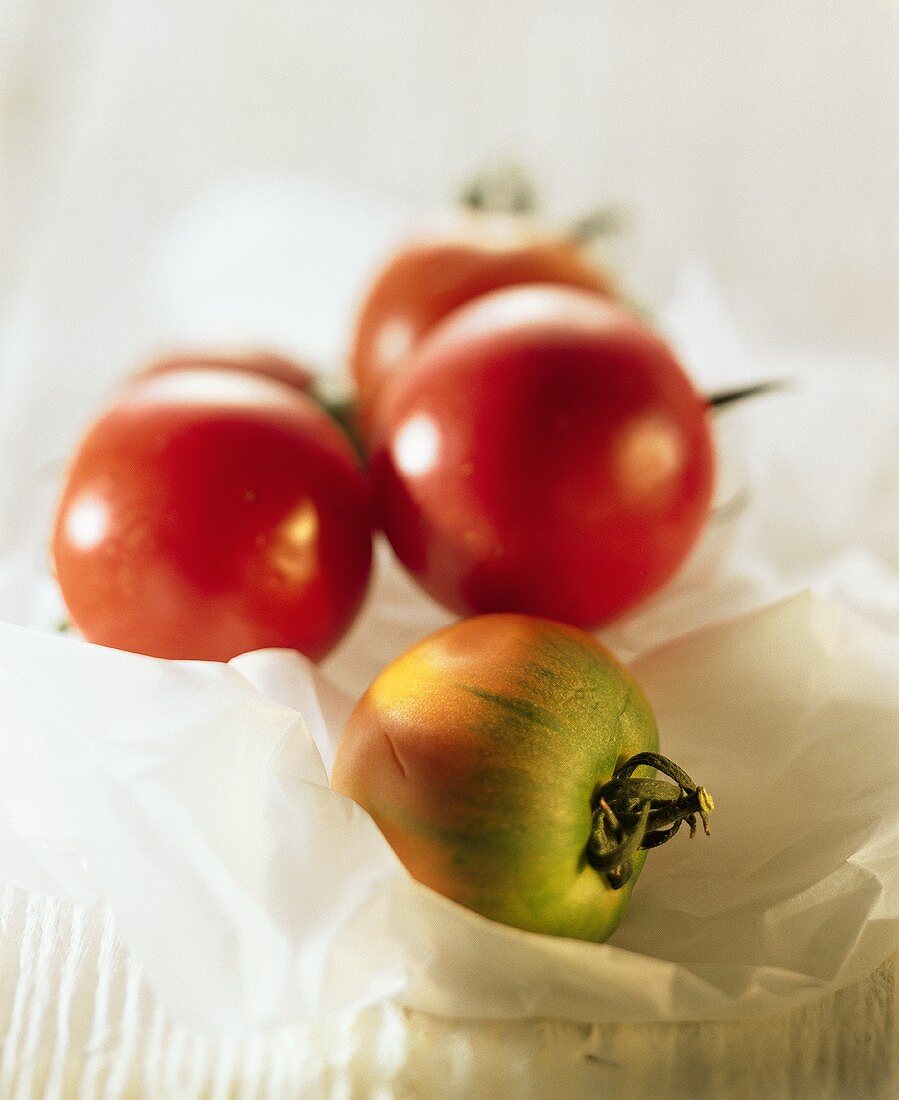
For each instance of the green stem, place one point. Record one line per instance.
(343, 410)
(633, 814)
(604, 222)
(504, 190)
(722, 398)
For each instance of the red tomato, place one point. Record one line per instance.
(268, 364)
(543, 453)
(209, 513)
(434, 275)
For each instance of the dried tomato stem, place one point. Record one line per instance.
(633, 814)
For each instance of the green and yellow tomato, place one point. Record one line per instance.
(487, 755)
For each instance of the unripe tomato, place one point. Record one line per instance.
(208, 513)
(435, 274)
(544, 452)
(267, 364)
(487, 755)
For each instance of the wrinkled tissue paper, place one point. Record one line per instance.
(193, 799)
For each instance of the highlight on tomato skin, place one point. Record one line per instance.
(437, 272)
(479, 753)
(543, 452)
(208, 513)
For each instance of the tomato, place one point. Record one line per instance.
(268, 364)
(435, 274)
(544, 452)
(208, 513)
(504, 760)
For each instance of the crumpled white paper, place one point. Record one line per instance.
(252, 893)
(193, 798)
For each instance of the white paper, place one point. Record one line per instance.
(252, 893)
(194, 799)
(199, 809)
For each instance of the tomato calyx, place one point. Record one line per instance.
(633, 814)
(722, 398)
(346, 410)
(506, 189)
(605, 221)
(509, 190)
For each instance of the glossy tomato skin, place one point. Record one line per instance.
(479, 753)
(266, 364)
(435, 274)
(209, 513)
(543, 453)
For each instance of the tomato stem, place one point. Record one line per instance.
(721, 398)
(344, 411)
(504, 190)
(633, 814)
(604, 222)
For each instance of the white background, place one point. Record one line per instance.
(759, 136)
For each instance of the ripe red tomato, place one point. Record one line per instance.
(544, 453)
(268, 364)
(208, 513)
(433, 275)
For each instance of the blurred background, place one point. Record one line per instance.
(760, 138)
(193, 171)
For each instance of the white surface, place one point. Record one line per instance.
(79, 1021)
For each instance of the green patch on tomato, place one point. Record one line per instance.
(524, 787)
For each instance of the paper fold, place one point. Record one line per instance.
(251, 893)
